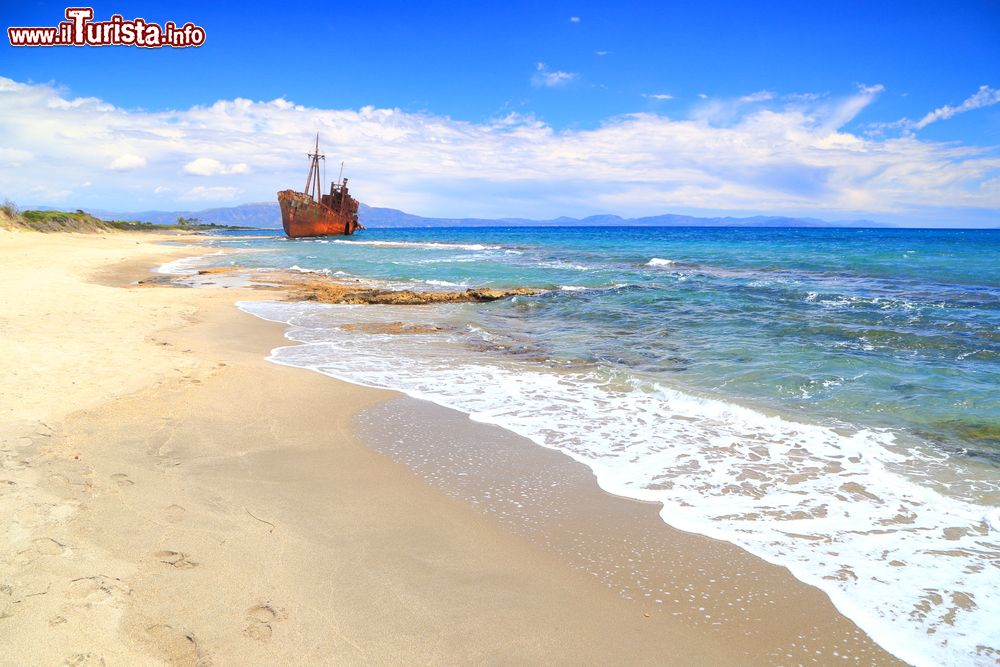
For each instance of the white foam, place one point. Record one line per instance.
(561, 264)
(299, 269)
(657, 261)
(186, 266)
(912, 567)
(426, 246)
(443, 283)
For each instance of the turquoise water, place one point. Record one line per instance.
(892, 328)
(829, 399)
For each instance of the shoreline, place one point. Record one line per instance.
(263, 528)
(556, 503)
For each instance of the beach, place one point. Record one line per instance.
(172, 497)
(610, 334)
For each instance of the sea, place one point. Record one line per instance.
(827, 399)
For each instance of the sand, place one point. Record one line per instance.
(170, 497)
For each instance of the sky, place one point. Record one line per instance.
(887, 111)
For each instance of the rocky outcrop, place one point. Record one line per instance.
(328, 294)
(326, 290)
(216, 270)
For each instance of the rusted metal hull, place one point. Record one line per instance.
(302, 216)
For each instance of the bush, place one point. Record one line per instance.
(9, 209)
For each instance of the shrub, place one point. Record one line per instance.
(9, 208)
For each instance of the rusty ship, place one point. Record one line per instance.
(314, 213)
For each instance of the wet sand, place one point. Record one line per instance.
(170, 497)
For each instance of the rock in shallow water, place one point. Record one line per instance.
(330, 291)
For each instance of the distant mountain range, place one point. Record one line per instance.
(265, 215)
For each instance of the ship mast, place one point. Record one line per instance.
(312, 187)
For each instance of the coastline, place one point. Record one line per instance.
(178, 498)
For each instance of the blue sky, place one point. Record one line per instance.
(574, 74)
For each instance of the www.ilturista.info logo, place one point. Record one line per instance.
(80, 30)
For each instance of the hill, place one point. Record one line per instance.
(266, 215)
(52, 220)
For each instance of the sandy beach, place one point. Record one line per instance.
(171, 497)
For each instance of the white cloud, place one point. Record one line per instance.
(574, 19)
(126, 162)
(601, 53)
(759, 96)
(546, 78)
(206, 166)
(983, 97)
(841, 112)
(792, 157)
(658, 96)
(804, 97)
(703, 96)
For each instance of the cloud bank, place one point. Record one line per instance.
(772, 156)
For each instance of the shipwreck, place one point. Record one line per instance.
(314, 213)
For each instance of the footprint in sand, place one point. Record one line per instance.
(167, 462)
(85, 660)
(46, 546)
(97, 589)
(181, 647)
(175, 513)
(121, 479)
(261, 618)
(59, 479)
(177, 559)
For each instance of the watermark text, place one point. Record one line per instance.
(79, 29)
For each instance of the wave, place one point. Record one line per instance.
(426, 245)
(907, 564)
(186, 266)
(299, 269)
(562, 264)
(657, 261)
(443, 283)
(596, 288)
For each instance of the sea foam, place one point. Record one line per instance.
(187, 266)
(424, 246)
(909, 565)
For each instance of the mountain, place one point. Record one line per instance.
(265, 215)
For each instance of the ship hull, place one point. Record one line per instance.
(302, 216)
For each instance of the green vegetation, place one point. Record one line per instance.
(80, 221)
